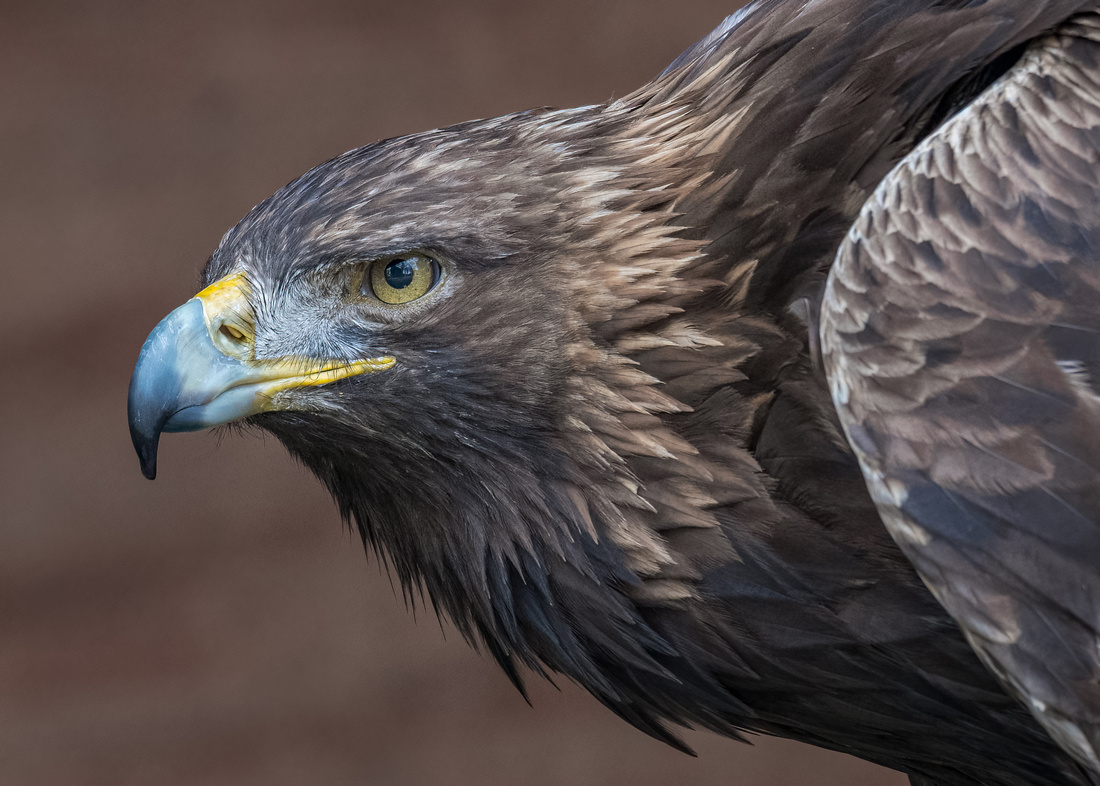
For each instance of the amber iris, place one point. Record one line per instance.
(403, 279)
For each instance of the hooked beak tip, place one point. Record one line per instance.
(145, 443)
(147, 455)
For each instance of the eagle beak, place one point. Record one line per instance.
(198, 369)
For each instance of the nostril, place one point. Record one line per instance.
(232, 333)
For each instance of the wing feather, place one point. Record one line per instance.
(960, 333)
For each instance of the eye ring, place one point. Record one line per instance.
(400, 279)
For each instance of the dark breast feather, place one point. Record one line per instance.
(961, 333)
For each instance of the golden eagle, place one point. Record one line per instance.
(694, 395)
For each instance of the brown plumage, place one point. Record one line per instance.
(604, 448)
(962, 338)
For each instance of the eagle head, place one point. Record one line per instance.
(447, 329)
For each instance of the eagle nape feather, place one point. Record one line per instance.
(562, 369)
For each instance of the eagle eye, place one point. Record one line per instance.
(402, 279)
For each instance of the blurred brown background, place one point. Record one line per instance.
(219, 626)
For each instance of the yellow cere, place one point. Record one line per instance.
(228, 315)
(229, 321)
(225, 297)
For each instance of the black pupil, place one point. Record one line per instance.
(400, 273)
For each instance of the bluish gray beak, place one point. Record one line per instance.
(197, 370)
